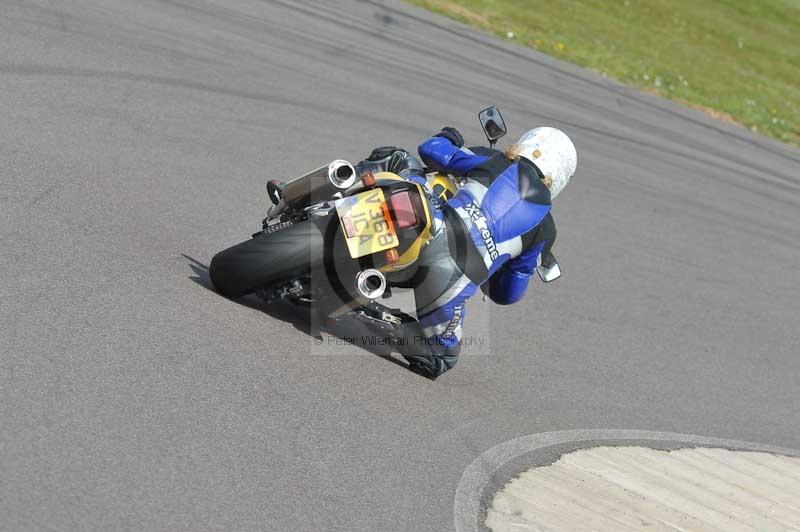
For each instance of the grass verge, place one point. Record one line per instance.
(738, 60)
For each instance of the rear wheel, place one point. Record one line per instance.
(267, 259)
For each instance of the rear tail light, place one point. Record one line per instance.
(403, 208)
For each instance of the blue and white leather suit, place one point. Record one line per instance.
(493, 231)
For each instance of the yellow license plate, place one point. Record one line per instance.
(366, 223)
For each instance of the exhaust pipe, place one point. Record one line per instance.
(319, 184)
(341, 174)
(370, 283)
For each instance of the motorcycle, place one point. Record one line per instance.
(341, 242)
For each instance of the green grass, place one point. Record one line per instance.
(740, 58)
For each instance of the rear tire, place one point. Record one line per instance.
(267, 259)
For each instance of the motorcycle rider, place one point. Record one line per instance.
(493, 233)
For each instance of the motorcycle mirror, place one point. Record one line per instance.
(549, 270)
(493, 124)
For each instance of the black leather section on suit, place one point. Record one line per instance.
(462, 248)
(486, 172)
(544, 232)
(531, 186)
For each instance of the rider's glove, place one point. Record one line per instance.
(453, 135)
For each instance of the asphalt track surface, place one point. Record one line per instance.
(135, 139)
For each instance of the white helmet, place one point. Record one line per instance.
(552, 151)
